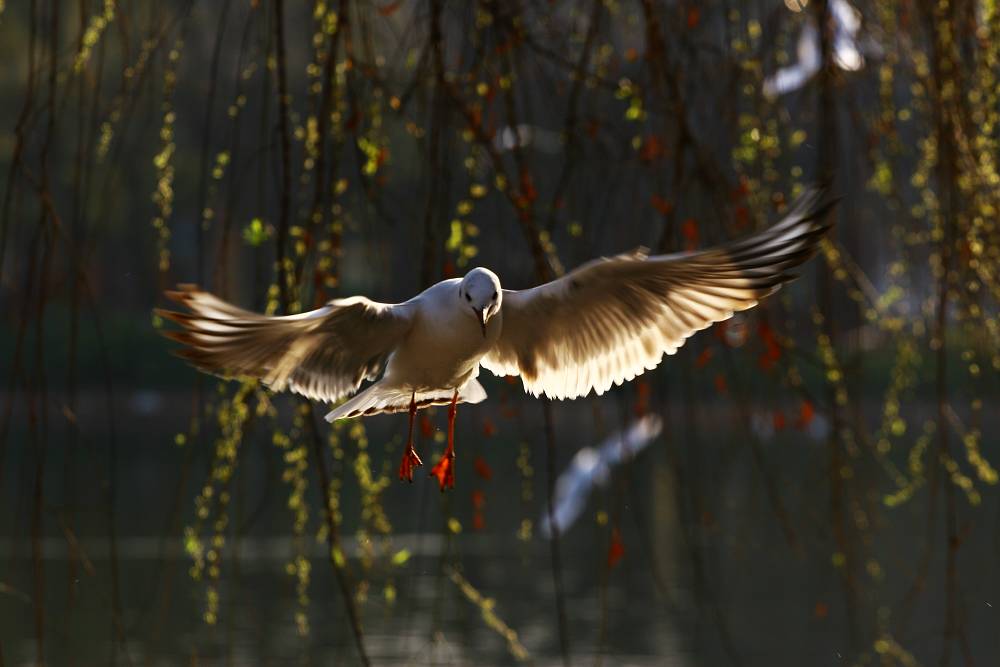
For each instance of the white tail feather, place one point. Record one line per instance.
(382, 398)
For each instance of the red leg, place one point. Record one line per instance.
(444, 469)
(410, 458)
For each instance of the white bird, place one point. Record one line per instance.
(600, 325)
(591, 466)
(847, 51)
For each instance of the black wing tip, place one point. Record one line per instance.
(815, 202)
(822, 211)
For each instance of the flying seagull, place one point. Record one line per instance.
(600, 325)
(591, 467)
(847, 49)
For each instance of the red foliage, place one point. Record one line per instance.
(703, 358)
(742, 189)
(772, 349)
(742, 217)
(652, 148)
(390, 9)
(528, 187)
(693, 17)
(483, 468)
(642, 391)
(489, 428)
(721, 385)
(661, 204)
(476, 117)
(426, 427)
(806, 414)
(779, 420)
(689, 230)
(478, 499)
(616, 550)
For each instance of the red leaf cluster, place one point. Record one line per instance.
(390, 9)
(483, 468)
(661, 204)
(528, 186)
(652, 148)
(689, 230)
(616, 550)
(806, 414)
(426, 427)
(742, 217)
(642, 392)
(772, 349)
(742, 189)
(693, 17)
(779, 420)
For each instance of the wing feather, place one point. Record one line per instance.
(324, 354)
(614, 318)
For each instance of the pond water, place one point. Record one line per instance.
(727, 558)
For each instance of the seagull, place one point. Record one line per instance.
(591, 467)
(600, 325)
(847, 51)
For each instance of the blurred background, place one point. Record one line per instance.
(813, 483)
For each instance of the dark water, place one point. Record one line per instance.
(716, 569)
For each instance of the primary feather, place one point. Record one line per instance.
(614, 318)
(324, 354)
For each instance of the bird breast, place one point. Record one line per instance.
(443, 349)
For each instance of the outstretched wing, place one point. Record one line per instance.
(614, 318)
(324, 354)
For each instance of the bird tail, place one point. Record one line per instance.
(380, 398)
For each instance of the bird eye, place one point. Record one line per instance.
(468, 298)
(494, 296)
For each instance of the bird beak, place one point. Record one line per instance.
(481, 315)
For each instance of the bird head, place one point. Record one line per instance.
(480, 292)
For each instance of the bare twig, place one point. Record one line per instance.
(333, 536)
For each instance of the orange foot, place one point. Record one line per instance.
(410, 461)
(444, 470)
